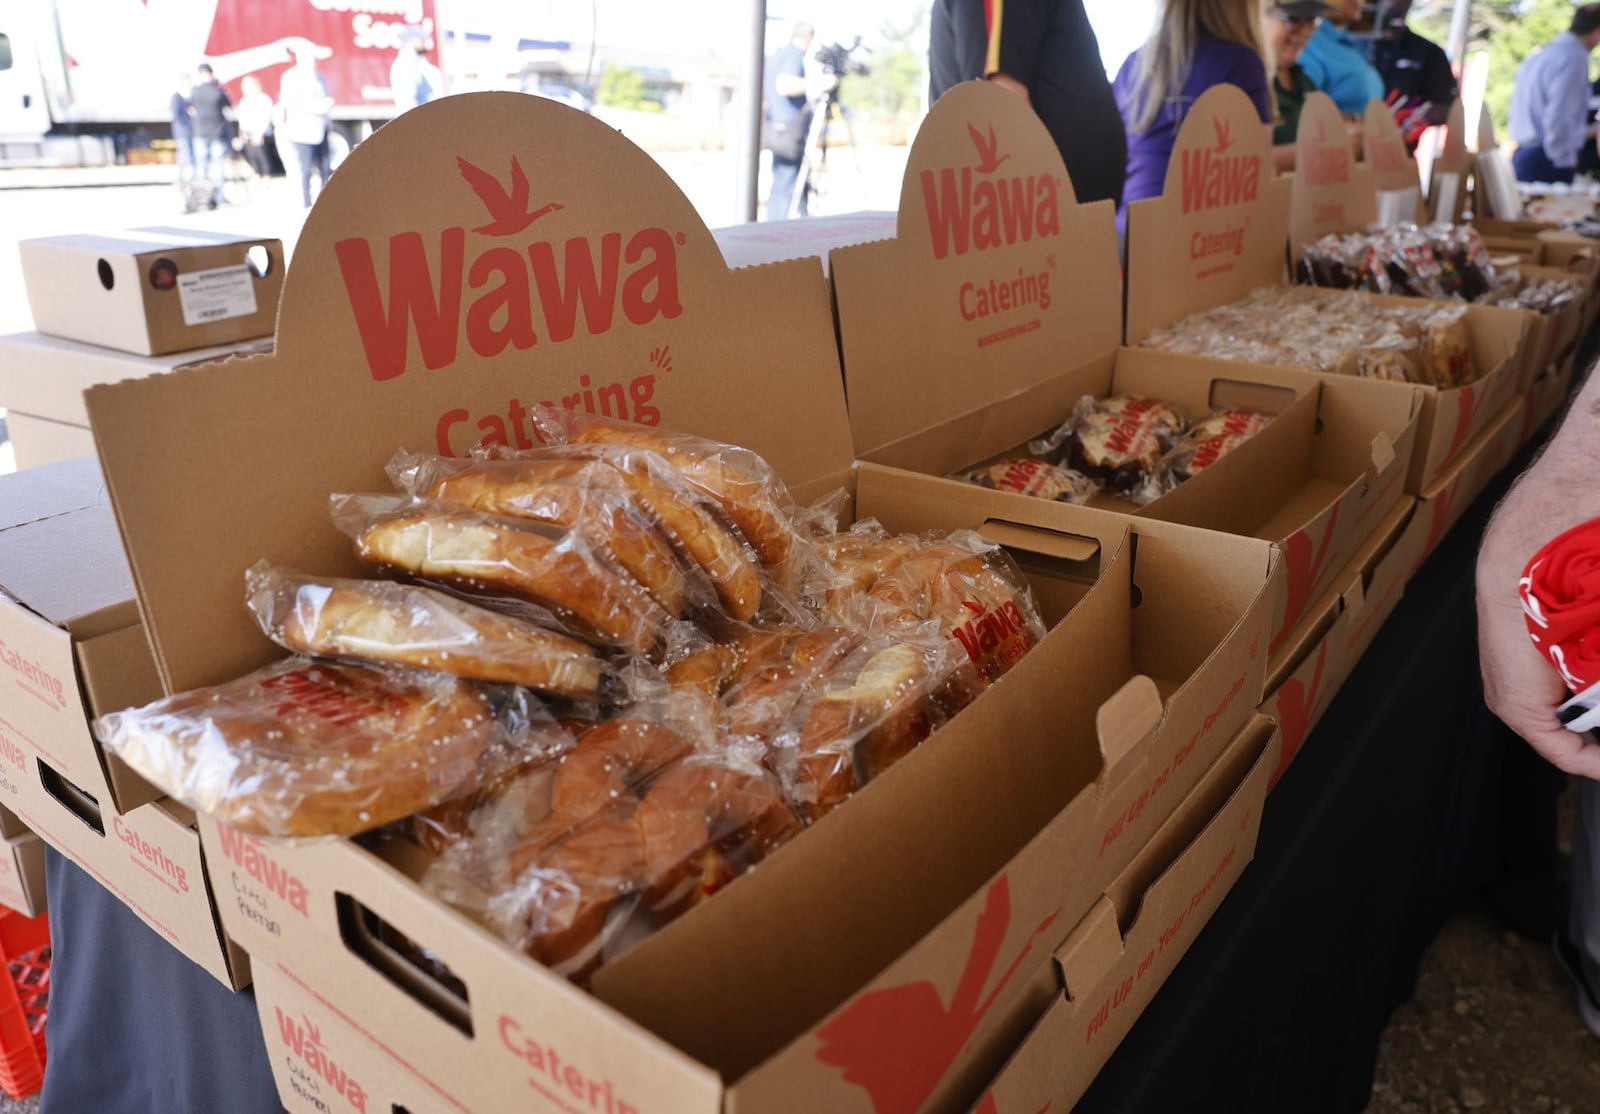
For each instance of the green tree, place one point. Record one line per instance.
(621, 87)
(1507, 30)
(894, 83)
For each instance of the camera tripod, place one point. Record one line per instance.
(813, 175)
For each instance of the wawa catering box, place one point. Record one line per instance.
(1395, 174)
(151, 291)
(22, 885)
(1220, 231)
(1314, 662)
(72, 648)
(994, 309)
(1118, 956)
(1450, 176)
(42, 380)
(1441, 507)
(619, 302)
(1543, 400)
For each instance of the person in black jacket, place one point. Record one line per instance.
(210, 106)
(1045, 52)
(1418, 82)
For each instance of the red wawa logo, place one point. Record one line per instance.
(249, 853)
(985, 630)
(505, 295)
(306, 1043)
(1297, 702)
(1212, 178)
(897, 1044)
(1304, 563)
(968, 213)
(1327, 164)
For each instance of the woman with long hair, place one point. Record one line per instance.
(1196, 44)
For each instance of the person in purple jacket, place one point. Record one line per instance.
(1196, 44)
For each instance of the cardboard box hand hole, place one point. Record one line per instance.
(418, 972)
(108, 277)
(80, 803)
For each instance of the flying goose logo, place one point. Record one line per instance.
(989, 157)
(508, 207)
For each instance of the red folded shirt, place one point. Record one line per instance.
(1560, 592)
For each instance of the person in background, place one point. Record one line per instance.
(305, 104)
(1289, 27)
(414, 80)
(786, 120)
(1196, 44)
(1045, 52)
(1550, 102)
(1420, 85)
(209, 108)
(255, 126)
(1557, 493)
(183, 129)
(1338, 64)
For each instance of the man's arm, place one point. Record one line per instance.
(1566, 105)
(1561, 490)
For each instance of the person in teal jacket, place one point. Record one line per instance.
(1337, 62)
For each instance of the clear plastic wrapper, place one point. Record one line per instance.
(575, 495)
(1038, 478)
(304, 748)
(488, 556)
(745, 490)
(1209, 441)
(384, 622)
(1116, 441)
(973, 592)
(1446, 349)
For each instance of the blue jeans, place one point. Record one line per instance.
(1533, 165)
(211, 164)
(785, 173)
(313, 156)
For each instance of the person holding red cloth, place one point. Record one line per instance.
(1539, 639)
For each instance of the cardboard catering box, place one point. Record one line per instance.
(1306, 674)
(1220, 231)
(1118, 956)
(998, 360)
(42, 380)
(1088, 743)
(1439, 508)
(1543, 400)
(22, 875)
(153, 290)
(72, 648)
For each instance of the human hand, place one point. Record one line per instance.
(1519, 683)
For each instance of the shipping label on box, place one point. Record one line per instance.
(1333, 191)
(153, 290)
(1111, 975)
(1218, 230)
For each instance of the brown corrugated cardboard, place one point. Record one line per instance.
(72, 648)
(1439, 508)
(1333, 192)
(1548, 395)
(1304, 676)
(22, 874)
(746, 356)
(1449, 178)
(1170, 276)
(45, 376)
(153, 290)
(325, 1062)
(1316, 479)
(1394, 170)
(1219, 229)
(1121, 953)
(746, 245)
(36, 441)
(62, 635)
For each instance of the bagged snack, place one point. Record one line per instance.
(306, 748)
(1118, 441)
(1210, 440)
(1039, 478)
(385, 623)
(554, 569)
(972, 590)
(743, 486)
(1446, 350)
(575, 495)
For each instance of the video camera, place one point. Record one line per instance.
(835, 58)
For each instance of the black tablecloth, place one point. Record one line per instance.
(1387, 819)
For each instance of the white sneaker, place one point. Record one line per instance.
(1571, 962)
